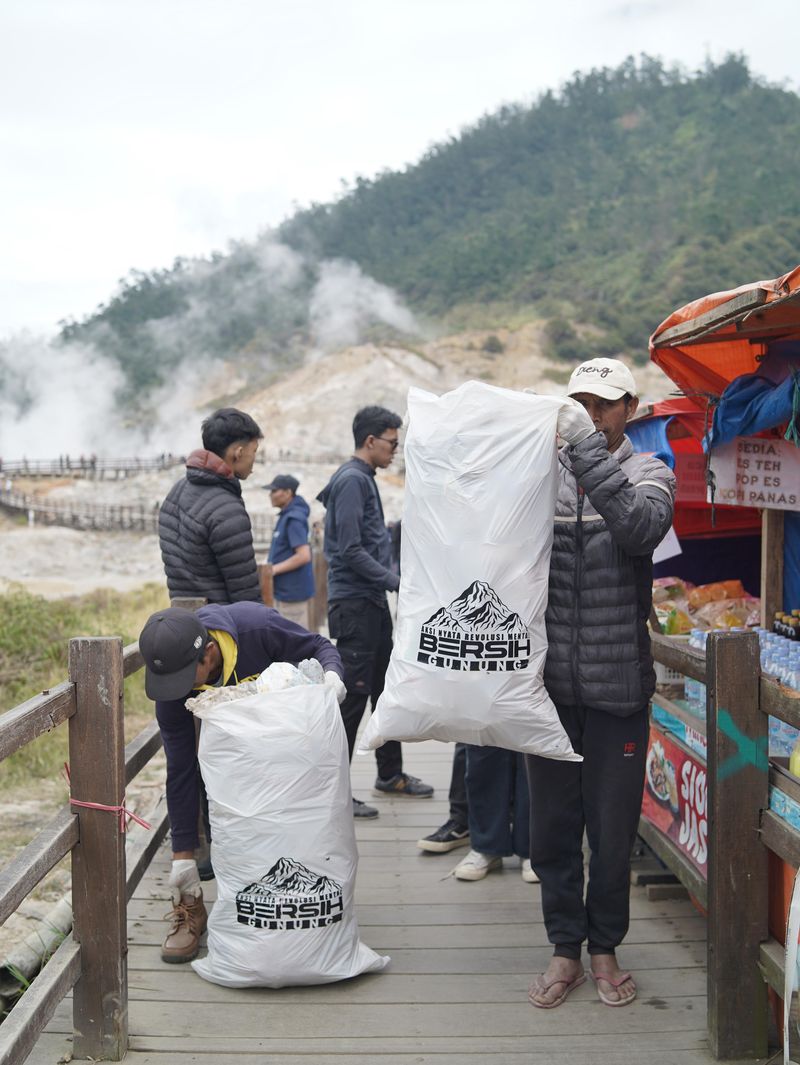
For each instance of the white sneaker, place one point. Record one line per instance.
(476, 866)
(528, 875)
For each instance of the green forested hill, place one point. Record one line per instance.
(629, 192)
(608, 202)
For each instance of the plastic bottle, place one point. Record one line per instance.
(690, 685)
(794, 759)
(701, 687)
(793, 676)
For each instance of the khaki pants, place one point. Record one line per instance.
(298, 612)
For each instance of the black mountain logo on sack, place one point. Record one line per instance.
(476, 632)
(290, 896)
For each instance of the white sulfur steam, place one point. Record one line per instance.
(62, 398)
(54, 398)
(345, 301)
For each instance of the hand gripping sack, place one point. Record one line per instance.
(283, 846)
(477, 531)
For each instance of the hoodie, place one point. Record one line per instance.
(357, 544)
(291, 532)
(260, 636)
(205, 535)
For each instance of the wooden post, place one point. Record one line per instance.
(737, 865)
(319, 605)
(771, 565)
(266, 583)
(97, 767)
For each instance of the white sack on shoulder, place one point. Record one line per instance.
(477, 530)
(283, 846)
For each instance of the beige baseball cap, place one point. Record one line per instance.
(607, 378)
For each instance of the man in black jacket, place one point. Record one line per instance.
(358, 552)
(203, 527)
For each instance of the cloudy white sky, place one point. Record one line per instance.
(136, 132)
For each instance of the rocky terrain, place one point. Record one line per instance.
(305, 417)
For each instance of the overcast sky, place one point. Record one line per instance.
(136, 132)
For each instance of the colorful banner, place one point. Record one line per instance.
(675, 798)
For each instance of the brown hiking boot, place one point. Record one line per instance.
(188, 922)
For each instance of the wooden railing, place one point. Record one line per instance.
(742, 958)
(108, 517)
(87, 466)
(92, 467)
(92, 962)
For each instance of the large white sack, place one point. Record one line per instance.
(470, 644)
(284, 852)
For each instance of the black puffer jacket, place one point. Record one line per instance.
(612, 510)
(205, 535)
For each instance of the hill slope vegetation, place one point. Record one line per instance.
(604, 205)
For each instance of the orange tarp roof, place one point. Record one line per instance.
(709, 342)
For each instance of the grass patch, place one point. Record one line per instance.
(34, 649)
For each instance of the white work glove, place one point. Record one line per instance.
(574, 423)
(312, 670)
(184, 879)
(333, 680)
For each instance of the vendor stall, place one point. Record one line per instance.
(736, 355)
(714, 545)
(712, 797)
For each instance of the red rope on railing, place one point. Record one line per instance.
(124, 814)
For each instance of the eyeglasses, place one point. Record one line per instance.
(393, 444)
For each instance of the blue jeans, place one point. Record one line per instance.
(499, 807)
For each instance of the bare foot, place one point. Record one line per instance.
(552, 987)
(614, 987)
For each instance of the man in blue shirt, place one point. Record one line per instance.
(289, 558)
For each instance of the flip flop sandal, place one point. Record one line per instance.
(568, 986)
(615, 981)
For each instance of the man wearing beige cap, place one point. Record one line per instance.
(613, 508)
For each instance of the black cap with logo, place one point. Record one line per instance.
(172, 643)
(283, 480)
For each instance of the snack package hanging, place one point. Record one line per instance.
(477, 532)
(283, 846)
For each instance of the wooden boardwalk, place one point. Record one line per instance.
(455, 992)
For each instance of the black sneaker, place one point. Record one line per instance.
(446, 838)
(360, 809)
(403, 784)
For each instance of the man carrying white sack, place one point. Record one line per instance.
(613, 508)
(187, 652)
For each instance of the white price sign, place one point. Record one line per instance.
(751, 472)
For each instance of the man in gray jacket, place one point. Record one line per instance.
(613, 508)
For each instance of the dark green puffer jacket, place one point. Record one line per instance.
(205, 535)
(612, 510)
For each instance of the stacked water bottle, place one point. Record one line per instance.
(780, 658)
(694, 691)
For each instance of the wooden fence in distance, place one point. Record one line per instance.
(105, 517)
